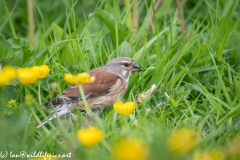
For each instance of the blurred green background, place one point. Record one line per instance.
(194, 60)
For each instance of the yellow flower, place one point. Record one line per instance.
(89, 136)
(182, 140)
(130, 150)
(7, 74)
(208, 155)
(42, 71)
(27, 75)
(30, 75)
(124, 108)
(80, 78)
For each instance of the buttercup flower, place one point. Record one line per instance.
(27, 75)
(130, 150)
(42, 71)
(182, 140)
(79, 79)
(124, 108)
(89, 136)
(7, 74)
(208, 155)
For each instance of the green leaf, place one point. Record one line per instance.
(7, 93)
(173, 102)
(6, 51)
(125, 49)
(67, 46)
(17, 43)
(27, 54)
(117, 30)
(17, 58)
(57, 31)
(214, 101)
(225, 37)
(150, 42)
(21, 52)
(233, 112)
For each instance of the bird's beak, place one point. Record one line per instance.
(136, 68)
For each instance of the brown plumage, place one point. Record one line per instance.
(111, 83)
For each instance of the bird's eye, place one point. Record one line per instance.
(126, 64)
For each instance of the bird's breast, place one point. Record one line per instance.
(116, 92)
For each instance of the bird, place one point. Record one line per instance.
(110, 85)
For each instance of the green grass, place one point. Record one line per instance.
(199, 69)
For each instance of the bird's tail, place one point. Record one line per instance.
(57, 112)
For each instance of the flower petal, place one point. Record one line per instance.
(89, 136)
(81, 78)
(27, 75)
(7, 74)
(42, 71)
(124, 108)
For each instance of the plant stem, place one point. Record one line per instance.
(9, 19)
(30, 23)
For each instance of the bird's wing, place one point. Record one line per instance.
(104, 80)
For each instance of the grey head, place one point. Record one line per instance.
(123, 67)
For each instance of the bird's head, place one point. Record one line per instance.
(123, 67)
